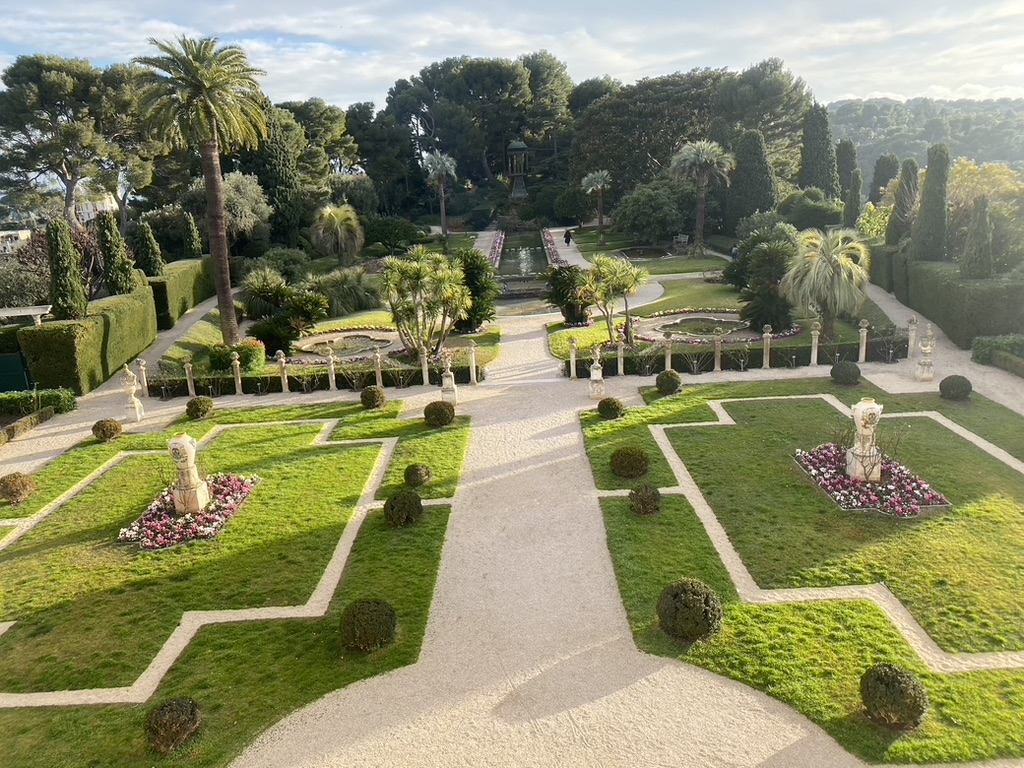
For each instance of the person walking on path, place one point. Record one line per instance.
(568, 236)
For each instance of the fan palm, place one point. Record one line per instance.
(703, 161)
(440, 170)
(599, 182)
(608, 279)
(336, 232)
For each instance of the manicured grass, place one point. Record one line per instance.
(196, 343)
(371, 318)
(668, 265)
(691, 294)
(586, 338)
(587, 241)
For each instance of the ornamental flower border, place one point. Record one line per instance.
(754, 338)
(160, 527)
(901, 493)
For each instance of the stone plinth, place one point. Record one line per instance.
(864, 465)
(190, 494)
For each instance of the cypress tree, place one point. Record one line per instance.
(193, 242)
(117, 262)
(67, 292)
(818, 154)
(752, 184)
(851, 210)
(906, 200)
(846, 164)
(928, 233)
(274, 163)
(887, 166)
(976, 262)
(147, 251)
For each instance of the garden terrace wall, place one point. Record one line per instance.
(81, 354)
(881, 266)
(182, 285)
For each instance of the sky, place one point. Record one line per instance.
(355, 51)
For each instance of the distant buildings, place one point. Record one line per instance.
(12, 239)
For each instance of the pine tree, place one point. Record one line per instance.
(67, 292)
(846, 164)
(147, 251)
(752, 185)
(928, 233)
(818, 154)
(887, 167)
(117, 262)
(976, 262)
(273, 162)
(851, 210)
(906, 200)
(193, 241)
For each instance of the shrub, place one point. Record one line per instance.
(611, 408)
(373, 397)
(252, 356)
(417, 475)
(403, 508)
(645, 500)
(955, 387)
(16, 487)
(668, 382)
(367, 625)
(689, 610)
(199, 407)
(61, 400)
(263, 292)
(893, 697)
(173, 723)
(107, 430)
(630, 462)
(439, 413)
(845, 372)
(180, 287)
(983, 347)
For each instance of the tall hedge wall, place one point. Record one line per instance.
(182, 285)
(82, 354)
(881, 265)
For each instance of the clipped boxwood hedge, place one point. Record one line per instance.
(881, 265)
(1008, 362)
(182, 285)
(984, 347)
(25, 424)
(61, 400)
(9, 339)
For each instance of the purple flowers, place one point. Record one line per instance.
(900, 493)
(160, 527)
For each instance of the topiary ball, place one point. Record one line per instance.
(955, 387)
(845, 372)
(439, 413)
(668, 382)
(629, 462)
(16, 487)
(417, 475)
(199, 407)
(107, 430)
(173, 723)
(893, 696)
(367, 625)
(689, 610)
(645, 500)
(610, 408)
(403, 508)
(373, 397)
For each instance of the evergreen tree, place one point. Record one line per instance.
(482, 282)
(906, 201)
(118, 263)
(752, 184)
(147, 251)
(763, 303)
(818, 154)
(928, 233)
(846, 164)
(275, 165)
(193, 241)
(887, 166)
(976, 262)
(851, 210)
(67, 292)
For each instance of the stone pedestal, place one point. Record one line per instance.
(190, 494)
(864, 465)
(864, 459)
(925, 371)
(449, 392)
(596, 381)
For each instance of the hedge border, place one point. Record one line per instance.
(183, 284)
(25, 424)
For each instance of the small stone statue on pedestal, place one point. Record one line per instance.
(449, 392)
(190, 494)
(130, 382)
(864, 459)
(596, 376)
(925, 371)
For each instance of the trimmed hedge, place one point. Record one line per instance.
(25, 424)
(983, 348)
(182, 285)
(1008, 362)
(81, 354)
(60, 400)
(881, 265)
(9, 339)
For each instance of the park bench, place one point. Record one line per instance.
(36, 312)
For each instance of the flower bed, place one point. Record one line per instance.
(495, 254)
(901, 493)
(160, 527)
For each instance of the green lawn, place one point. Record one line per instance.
(667, 265)
(691, 294)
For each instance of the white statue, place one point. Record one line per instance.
(130, 383)
(190, 494)
(864, 460)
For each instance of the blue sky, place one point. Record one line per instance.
(348, 52)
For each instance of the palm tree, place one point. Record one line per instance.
(440, 169)
(703, 161)
(198, 94)
(608, 279)
(598, 181)
(829, 273)
(336, 232)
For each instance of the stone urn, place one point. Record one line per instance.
(864, 459)
(190, 494)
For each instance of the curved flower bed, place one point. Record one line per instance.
(754, 338)
(495, 253)
(160, 527)
(901, 493)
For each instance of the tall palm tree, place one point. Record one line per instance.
(440, 170)
(703, 161)
(599, 182)
(336, 231)
(198, 94)
(829, 273)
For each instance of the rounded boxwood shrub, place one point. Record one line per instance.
(199, 407)
(367, 625)
(16, 487)
(955, 387)
(610, 408)
(107, 430)
(689, 610)
(845, 372)
(373, 397)
(403, 508)
(668, 382)
(417, 475)
(173, 723)
(439, 413)
(645, 500)
(893, 696)
(630, 462)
